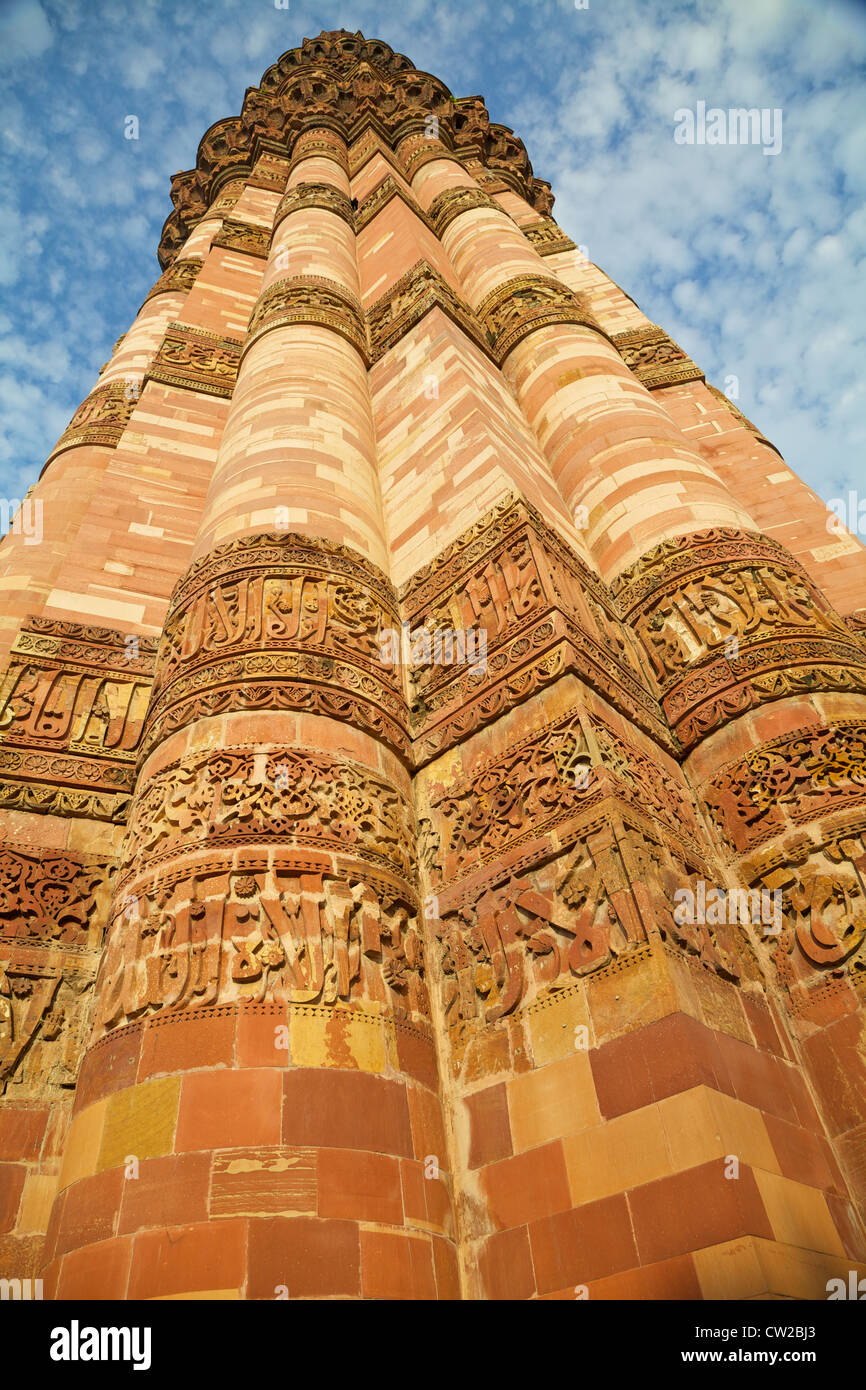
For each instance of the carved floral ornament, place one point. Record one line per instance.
(348, 82)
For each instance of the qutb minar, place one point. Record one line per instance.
(332, 969)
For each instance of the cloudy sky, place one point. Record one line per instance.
(754, 262)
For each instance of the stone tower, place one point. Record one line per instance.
(433, 771)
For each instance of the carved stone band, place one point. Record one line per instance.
(100, 419)
(528, 302)
(248, 237)
(655, 359)
(455, 201)
(178, 278)
(315, 195)
(408, 300)
(196, 360)
(548, 238)
(310, 299)
(277, 621)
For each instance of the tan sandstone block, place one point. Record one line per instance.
(140, 1121)
(554, 1100)
(622, 1153)
(799, 1214)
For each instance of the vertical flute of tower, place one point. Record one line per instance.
(612, 450)
(263, 976)
(36, 574)
(300, 434)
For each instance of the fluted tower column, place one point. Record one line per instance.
(262, 989)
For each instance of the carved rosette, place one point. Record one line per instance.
(277, 621)
(655, 359)
(528, 302)
(730, 621)
(310, 299)
(197, 360)
(315, 195)
(100, 419)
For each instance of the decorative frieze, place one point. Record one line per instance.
(249, 237)
(520, 306)
(196, 360)
(100, 419)
(730, 621)
(72, 706)
(655, 359)
(547, 238)
(179, 278)
(315, 195)
(310, 299)
(406, 303)
(278, 621)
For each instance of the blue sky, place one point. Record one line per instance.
(754, 263)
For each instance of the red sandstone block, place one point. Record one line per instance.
(446, 1269)
(849, 1226)
(505, 1266)
(673, 1280)
(413, 1184)
(396, 1266)
(758, 1078)
(838, 1070)
(197, 1038)
(109, 1067)
(360, 1186)
(762, 1025)
(167, 1192)
(89, 1212)
(22, 1132)
(663, 1059)
(528, 1186)
(417, 1058)
(573, 1247)
(696, 1208)
(187, 1259)
(801, 1154)
(260, 1037)
(489, 1128)
(308, 1257)
(97, 1273)
(12, 1177)
(346, 1110)
(229, 1109)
